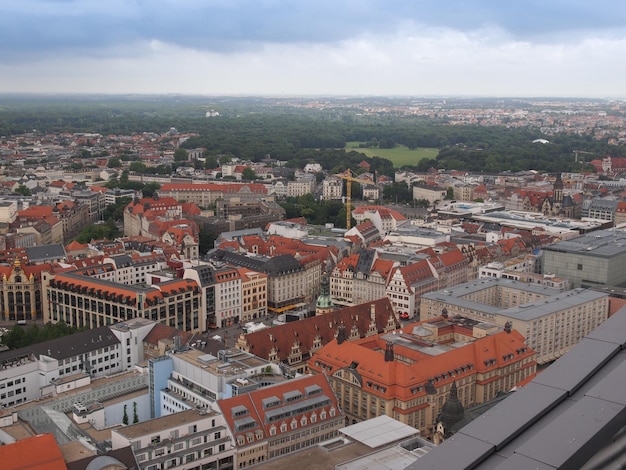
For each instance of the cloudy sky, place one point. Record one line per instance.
(315, 47)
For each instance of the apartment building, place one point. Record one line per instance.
(551, 321)
(206, 194)
(302, 185)
(289, 282)
(186, 378)
(228, 296)
(204, 276)
(428, 192)
(386, 220)
(464, 192)
(359, 278)
(254, 294)
(197, 439)
(276, 421)
(62, 364)
(332, 188)
(403, 376)
(407, 284)
(83, 301)
(134, 268)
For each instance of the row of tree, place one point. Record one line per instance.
(20, 337)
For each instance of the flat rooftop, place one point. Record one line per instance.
(553, 300)
(601, 243)
(237, 361)
(154, 426)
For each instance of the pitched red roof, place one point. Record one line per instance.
(251, 408)
(325, 326)
(39, 452)
(399, 378)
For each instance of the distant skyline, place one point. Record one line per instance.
(525, 48)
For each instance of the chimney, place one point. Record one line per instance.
(389, 352)
(373, 312)
(177, 342)
(508, 326)
(341, 333)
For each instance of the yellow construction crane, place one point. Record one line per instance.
(349, 178)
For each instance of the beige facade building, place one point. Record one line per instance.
(85, 302)
(332, 188)
(464, 192)
(189, 439)
(429, 193)
(551, 321)
(275, 421)
(253, 294)
(301, 186)
(206, 194)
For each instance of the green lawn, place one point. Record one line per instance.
(399, 155)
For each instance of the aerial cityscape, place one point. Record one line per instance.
(336, 236)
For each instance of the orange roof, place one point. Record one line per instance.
(75, 246)
(36, 212)
(400, 379)
(255, 411)
(39, 452)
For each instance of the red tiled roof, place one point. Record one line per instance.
(39, 452)
(255, 409)
(325, 326)
(399, 377)
(161, 331)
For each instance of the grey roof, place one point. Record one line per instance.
(274, 266)
(553, 302)
(45, 252)
(533, 310)
(563, 419)
(122, 261)
(206, 275)
(609, 204)
(601, 243)
(68, 346)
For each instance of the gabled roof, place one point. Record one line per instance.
(282, 337)
(269, 407)
(160, 332)
(399, 378)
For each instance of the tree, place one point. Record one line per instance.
(210, 162)
(206, 238)
(248, 174)
(114, 162)
(138, 167)
(125, 417)
(449, 193)
(150, 188)
(135, 416)
(181, 155)
(23, 190)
